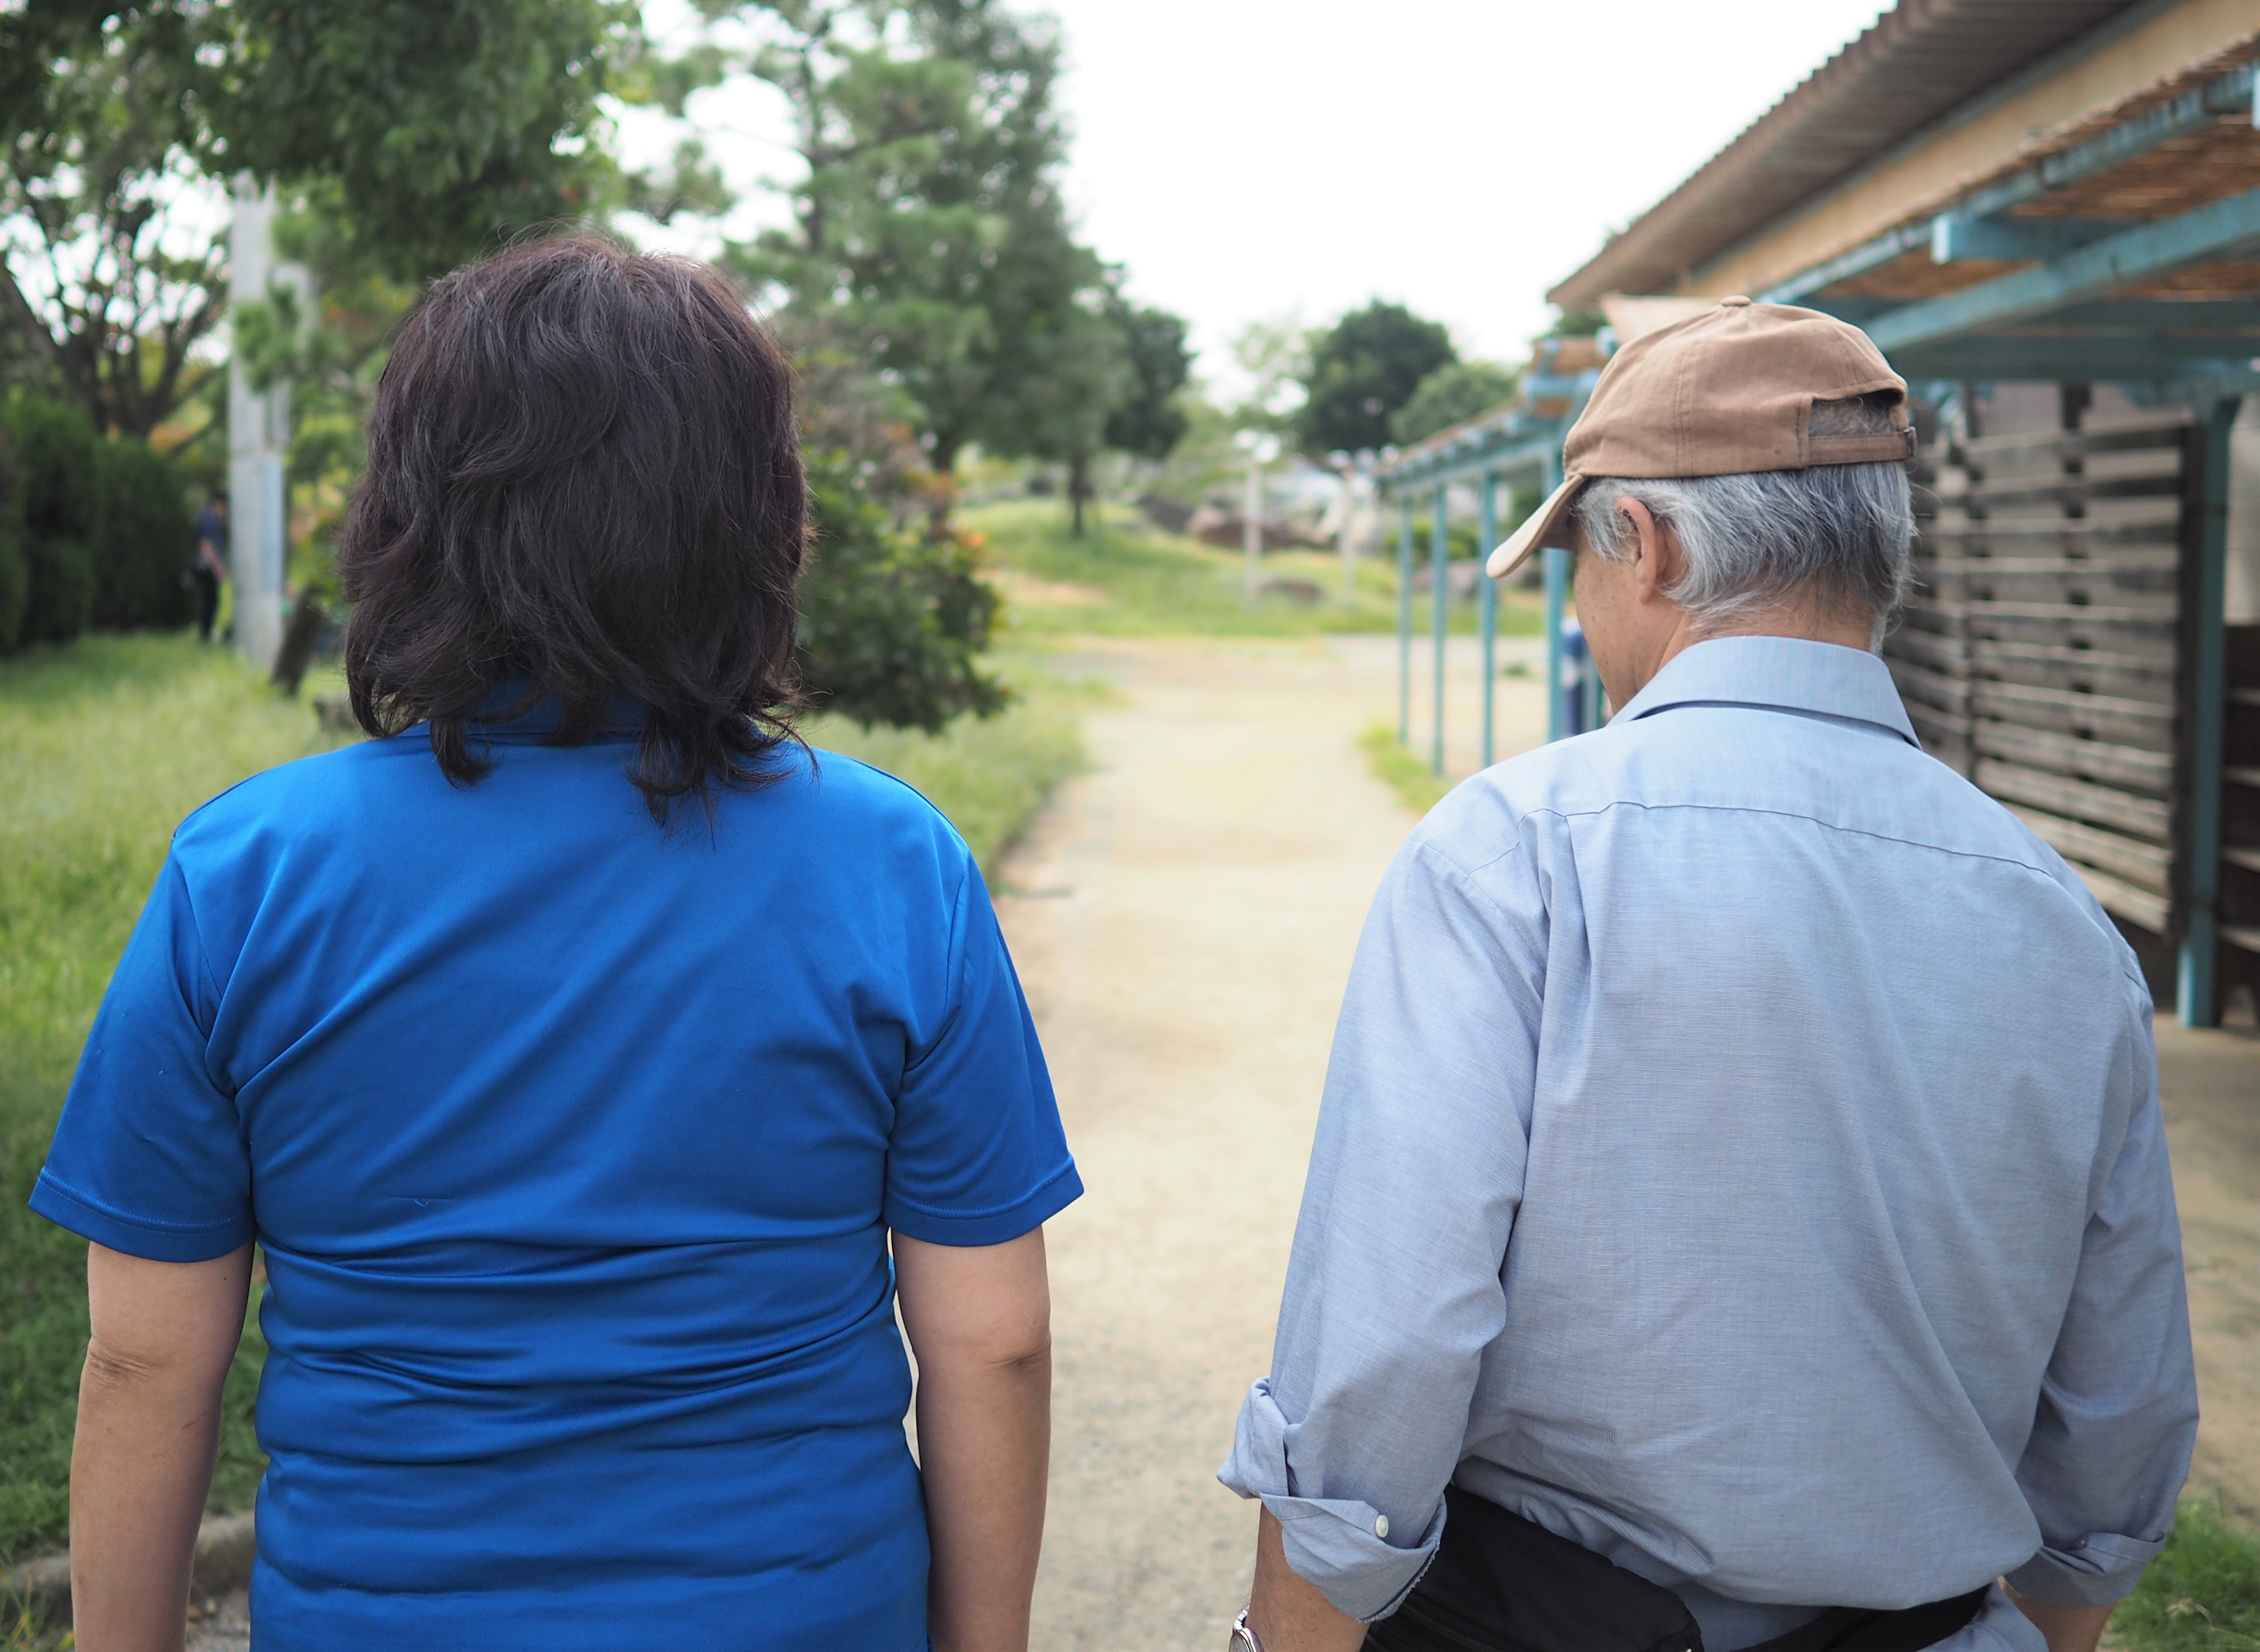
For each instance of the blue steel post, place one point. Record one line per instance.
(1558, 590)
(1441, 550)
(1484, 539)
(2195, 989)
(1405, 620)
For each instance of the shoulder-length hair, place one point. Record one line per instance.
(583, 479)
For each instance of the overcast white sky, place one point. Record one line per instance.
(1255, 158)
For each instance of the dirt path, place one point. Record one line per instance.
(2209, 1084)
(1184, 917)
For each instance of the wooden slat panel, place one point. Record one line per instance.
(2249, 859)
(2151, 560)
(2144, 865)
(2045, 666)
(2241, 777)
(2024, 492)
(1930, 688)
(1933, 653)
(2153, 912)
(2167, 432)
(2124, 766)
(2138, 723)
(2025, 533)
(2242, 935)
(2145, 817)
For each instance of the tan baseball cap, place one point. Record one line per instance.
(1727, 390)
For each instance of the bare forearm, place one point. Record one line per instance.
(2067, 1628)
(148, 1428)
(1289, 1612)
(141, 1466)
(984, 1448)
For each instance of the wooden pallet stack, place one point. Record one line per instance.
(2042, 655)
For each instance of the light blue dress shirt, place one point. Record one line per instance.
(1740, 1153)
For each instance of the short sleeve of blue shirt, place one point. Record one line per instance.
(150, 1158)
(978, 1155)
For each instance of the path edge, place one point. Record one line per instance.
(40, 1589)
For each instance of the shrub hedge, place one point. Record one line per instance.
(92, 531)
(144, 540)
(55, 480)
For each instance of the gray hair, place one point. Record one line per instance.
(1837, 534)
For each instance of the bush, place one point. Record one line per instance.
(143, 540)
(15, 576)
(891, 623)
(53, 498)
(59, 600)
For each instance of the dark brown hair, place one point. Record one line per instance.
(582, 477)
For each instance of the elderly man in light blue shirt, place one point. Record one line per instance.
(1740, 1155)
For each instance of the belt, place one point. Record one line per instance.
(1502, 1583)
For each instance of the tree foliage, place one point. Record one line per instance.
(143, 540)
(54, 445)
(436, 129)
(1451, 395)
(892, 619)
(429, 130)
(928, 225)
(1147, 418)
(1363, 369)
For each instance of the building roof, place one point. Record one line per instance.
(1918, 63)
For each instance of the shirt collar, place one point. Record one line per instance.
(1791, 674)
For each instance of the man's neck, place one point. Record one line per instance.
(1804, 624)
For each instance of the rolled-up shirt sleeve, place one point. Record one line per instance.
(2111, 1440)
(1393, 1289)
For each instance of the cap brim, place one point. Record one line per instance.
(1547, 526)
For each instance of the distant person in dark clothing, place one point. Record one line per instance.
(210, 567)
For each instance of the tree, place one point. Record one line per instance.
(1451, 395)
(893, 621)
(431, 129)
(929, 225)
(1363, 369)
(101, 151)
(438, 128)
(1146, 419)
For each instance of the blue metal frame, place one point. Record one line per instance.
(1441, 547)
(2089, 272)
(2177, 117)
(2196, 994)
(1404, 621)
(1487, 536)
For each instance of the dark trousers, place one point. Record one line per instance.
(207, 586)
(1502, 1583)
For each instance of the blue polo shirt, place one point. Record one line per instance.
(572, 1144)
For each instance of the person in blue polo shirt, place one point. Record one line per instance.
(596, 1067)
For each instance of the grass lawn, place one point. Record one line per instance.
(1125, 578)
(2202, 1594)
(104, 745)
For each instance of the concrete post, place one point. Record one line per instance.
(258, 435)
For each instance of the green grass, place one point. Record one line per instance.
(1415, 784)
(2202, 1593)
(1126, 578)
(104, 745)
(988, 775)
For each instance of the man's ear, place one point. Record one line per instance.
(1655, 555)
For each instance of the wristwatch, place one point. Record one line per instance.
(1244, 1637)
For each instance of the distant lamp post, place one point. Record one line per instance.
(1262, 447)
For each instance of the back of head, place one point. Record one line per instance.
(583, 480)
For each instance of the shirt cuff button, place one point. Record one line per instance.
(1381, 1525)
